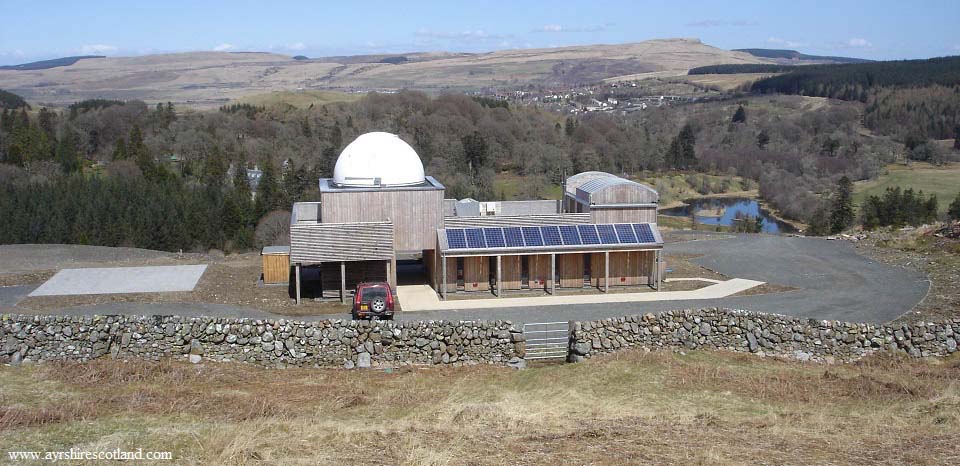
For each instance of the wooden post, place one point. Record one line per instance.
(343, 282)
(443, 265)
(390, 280)
(553, 273)
(297, 272)
(499, 281)
(606, 271)
(659, 278)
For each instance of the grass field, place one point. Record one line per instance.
(942, 181)
(635, 407)
(299, 99)
(515, 187)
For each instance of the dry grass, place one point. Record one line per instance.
(635, 407)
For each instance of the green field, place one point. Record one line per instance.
(943, 181)
(299, 99)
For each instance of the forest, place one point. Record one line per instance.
(89, 173)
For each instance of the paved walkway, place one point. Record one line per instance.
(114, 280)
(422, 298)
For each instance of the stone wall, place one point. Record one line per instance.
(754, 332)
(326, 343)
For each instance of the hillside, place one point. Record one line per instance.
(208, 79)
(792, 56)
(47, 64)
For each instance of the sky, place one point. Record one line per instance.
(878, 29)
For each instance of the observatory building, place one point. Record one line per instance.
(380, 208)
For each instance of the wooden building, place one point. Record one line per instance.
(380, 207)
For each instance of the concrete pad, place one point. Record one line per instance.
(715, 291)
(117, 280)
(414, 297)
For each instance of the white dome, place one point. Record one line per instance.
(378, 159)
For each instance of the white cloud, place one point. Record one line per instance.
(788, 43)
(460, 35)
(297, 46)
(558, 28)
(956, 47)
(94, 49)
(223, 47)
(858, 42)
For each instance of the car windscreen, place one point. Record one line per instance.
(368, 294)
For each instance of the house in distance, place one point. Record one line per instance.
(380, 208)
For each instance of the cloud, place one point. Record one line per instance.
(787, 43)
(94, 49)
(858, 42)
(297, 46)
(956, 47)
(716, 23)
(557, 28)
(223, 47)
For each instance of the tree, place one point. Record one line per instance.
(841, 214)
(740, 116)
(956, 138)
(120, 150)
(763, 139)
(954, 210)
(569, 126)
(475, 151)
(68, 151)
(682, 154)
(139, 152)
(819, 224)
(267, 188)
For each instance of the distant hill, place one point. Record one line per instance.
(47, 64)
(792, 55)
(211, 79)
(11, 100)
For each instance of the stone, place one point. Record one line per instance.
(363, 360)
(196, 347)
(16, 359)
(582, 348)
(195, 358)
(705, 329)
(267, 337)
(348, 364)
(517, 363)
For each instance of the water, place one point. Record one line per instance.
(732, 206)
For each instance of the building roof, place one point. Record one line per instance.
(595, 185)
(506, 240)
(574, 182)
(378, 159)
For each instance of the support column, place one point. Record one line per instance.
(390, 279)
(606, 271)
(443, 265)
(499, 281)
(297, 273)
(343, 282)
(659, 278)
(553, 273)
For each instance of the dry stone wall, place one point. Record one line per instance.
(768, 334)
(272, 343)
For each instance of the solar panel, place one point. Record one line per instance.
(588, 233)
(513, 237)
(494, 237)
(569, 235)
(644, 233)
(551, 236)
(475, 238)
(607, 234)
(626, 234)
(531, 236)
(456, 239)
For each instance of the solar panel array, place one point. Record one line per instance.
(550, 236)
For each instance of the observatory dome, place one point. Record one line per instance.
(378, 159)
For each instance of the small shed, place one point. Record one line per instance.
(276, 265)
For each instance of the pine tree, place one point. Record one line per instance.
(569, 126)
(267, 189)
(956, 138)
(740, 116)
(841, 215)
(139, 152)
(68, 151)
(954, 210)
(120, 149)
(763, 139)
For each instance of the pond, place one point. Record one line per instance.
(723, 211)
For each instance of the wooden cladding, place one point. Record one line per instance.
(476, 273)
(570, 269)
(624, 215)
(276, 268)
(314, 243)
(510, 271)
(626, 268)
(523, 220)
(415, 214)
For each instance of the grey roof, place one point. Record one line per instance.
(275, 250)
(575, 181)
(599, 184)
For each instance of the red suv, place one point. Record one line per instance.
(373, 301)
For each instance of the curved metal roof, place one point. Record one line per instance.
(599, 184)
(579, 179)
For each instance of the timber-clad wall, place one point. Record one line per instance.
(276, 268)
(522, 220)
(356, 272)
(415, 214)
(335, 242)
(632, 215)
(510, 271)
